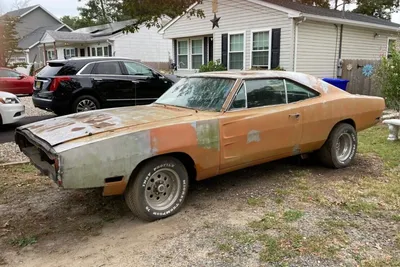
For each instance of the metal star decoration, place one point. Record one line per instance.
(215, 21)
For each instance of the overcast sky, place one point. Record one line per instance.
(69, 7)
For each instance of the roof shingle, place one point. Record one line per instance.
(313, 10)
(19, 12)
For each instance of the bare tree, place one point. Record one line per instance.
(18, 4)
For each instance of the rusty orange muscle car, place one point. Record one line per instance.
(206, 124)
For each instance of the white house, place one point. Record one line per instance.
(271, 33)
(145, 45)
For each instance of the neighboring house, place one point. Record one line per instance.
(146, 45)
(271, 33)
(33, 22)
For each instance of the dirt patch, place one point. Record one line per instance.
(283, 212)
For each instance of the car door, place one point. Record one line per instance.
(13, 82)
(259, 125)
(148, 85)
(110, 83)
(313, 112)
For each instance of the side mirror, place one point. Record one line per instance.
(20, 77)
(158, 76)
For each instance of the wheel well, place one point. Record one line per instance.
(187, 161)
(84, 92)
(348, 121)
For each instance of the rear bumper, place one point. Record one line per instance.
(11, 113)
(55, 105)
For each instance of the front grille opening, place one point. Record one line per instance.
(17, 114)
(37, 156)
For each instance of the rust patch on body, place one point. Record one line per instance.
(103, 125)
(114, 188)
(77, 129)
(36, 126)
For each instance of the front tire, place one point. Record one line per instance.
(158, 190)
(340, 149)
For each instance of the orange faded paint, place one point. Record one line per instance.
(114, 188)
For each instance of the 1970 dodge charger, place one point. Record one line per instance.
(206, 124)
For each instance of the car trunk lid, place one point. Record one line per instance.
(63, 129)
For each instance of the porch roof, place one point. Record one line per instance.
(71, 37)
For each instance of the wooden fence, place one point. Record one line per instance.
(360, 75)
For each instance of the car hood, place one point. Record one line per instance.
(7, 95)
(66, 128)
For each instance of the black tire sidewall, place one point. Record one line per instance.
(341, 129)
(79, 99)
(140, 187)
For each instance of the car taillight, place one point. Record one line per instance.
(56, 82)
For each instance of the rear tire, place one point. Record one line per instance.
(341, 147)
(158, 190)
(85, 103)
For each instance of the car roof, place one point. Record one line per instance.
(302, 78)
(86, 60)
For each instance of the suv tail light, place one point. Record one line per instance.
(56, 82)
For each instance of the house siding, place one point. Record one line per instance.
(317, 48)
(361, 43)
(237, 16)
(156, 50)
(33, 20)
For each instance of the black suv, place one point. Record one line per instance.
(81, 84)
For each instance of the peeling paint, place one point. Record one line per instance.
(253, 136)
(207, 133)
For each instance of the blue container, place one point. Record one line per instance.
(340, 83)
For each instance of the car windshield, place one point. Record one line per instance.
(200, 93)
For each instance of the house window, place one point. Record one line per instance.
(183, 54)
(99, 51)
(260, 49)
(197, 53)
(93, 52)
(106, 51)
(50, 54)
(236, 51)
(391, 44)
(70, 52)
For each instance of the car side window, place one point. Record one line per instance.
(265, 92)
(137, 69)
(8, 74)
(297, 92)
(240, 99)
(108, 68)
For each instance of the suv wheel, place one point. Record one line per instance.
(85, 103)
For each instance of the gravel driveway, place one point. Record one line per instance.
(9, 152)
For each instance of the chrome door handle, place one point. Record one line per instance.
(97, 79)
(135, 81)
(296, 115)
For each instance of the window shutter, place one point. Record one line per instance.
(65, 54)
(76, 52)
(205, 54)
(110, 51)
(224, 54)
(176, 52)
(88, 51)
(276, 48)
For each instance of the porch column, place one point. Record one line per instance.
(55, 50)
(45, 53)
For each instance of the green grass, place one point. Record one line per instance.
(374, 140)
(269, 221)
(292, 215)
(396, 218)
(225, 247)
(254, 201)
(23, 241)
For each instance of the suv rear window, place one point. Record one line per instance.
(60, 69)
(49, 71)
